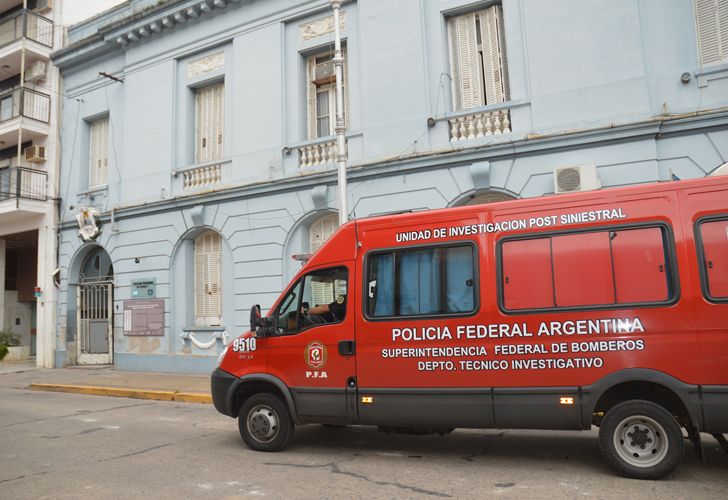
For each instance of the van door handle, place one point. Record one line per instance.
(346, 347)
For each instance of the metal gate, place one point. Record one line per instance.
(95, 323)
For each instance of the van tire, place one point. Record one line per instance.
(641, 440)
(265, 423)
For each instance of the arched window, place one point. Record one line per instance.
(97, 267)
(486, 197)
(321, 230)
(208, 279)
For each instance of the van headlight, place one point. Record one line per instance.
(222, 356)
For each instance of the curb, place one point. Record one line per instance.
(122, 392)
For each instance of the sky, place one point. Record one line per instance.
(75, 11)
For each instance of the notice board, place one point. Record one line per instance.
(144, 317)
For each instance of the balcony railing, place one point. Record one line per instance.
(320, 153)
(195, 178)
(26, 24)
(26, 183)
(25, 102)
(481, 124)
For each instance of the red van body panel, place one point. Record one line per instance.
(573, 297)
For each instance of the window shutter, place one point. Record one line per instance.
(464, 62)
(321, 293)
(321, 230)
(208, 279)
(723, 28)
(311, 97)
(495, 69)
(98, 152)
(209, 123)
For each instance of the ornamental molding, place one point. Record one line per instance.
(321, 27)
(214, 337)
(187, 11)
(205, 65)
(89, 225)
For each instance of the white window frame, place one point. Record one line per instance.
(98, 156)
(711, 29)
(315, 86)
(209, 122)
(208, 279)
(478, 62)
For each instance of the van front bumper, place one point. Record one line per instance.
(220, 384)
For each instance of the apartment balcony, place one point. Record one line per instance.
(23, 194)
(26, 110)
(24, 30)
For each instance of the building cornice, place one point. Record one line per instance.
(137, 27)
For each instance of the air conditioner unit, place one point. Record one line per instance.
(324, 72)
(43, 5)
(576, 178)
(35, 72)
(35, 154)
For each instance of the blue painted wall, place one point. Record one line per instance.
(591, 82)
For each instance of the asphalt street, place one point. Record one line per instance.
(55, 445)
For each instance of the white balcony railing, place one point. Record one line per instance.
(482, 124)
(313, 155)
(195, 178)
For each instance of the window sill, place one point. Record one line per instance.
(483, 109)
(103, 188)
(310, 142)
(716, 71)
(214, 329)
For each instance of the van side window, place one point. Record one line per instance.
(594, 268)
(318, 298)
(421, 282)
(714, 238)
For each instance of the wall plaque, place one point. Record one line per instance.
(145, 288)
(144, 317)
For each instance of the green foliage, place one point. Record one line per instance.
(8, 338)
(3, 351)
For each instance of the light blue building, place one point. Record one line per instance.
(197, 136)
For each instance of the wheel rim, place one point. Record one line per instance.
(262, 423)
(641, 441)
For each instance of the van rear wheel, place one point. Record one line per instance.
(265, 423)
(641, 440)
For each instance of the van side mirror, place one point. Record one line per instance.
(256, 321)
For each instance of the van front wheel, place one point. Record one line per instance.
(641, 440)
(264, 423)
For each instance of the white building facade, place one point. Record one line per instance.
(29, 142)
(199, 155)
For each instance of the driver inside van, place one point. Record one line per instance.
(331, 286)
(335, 309)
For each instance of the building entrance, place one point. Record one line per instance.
(95, 318)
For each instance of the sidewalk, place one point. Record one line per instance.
(107, 381)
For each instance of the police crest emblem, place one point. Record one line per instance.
(315, 355)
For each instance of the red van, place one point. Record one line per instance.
(606, 308)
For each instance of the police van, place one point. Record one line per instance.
(605, 308)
